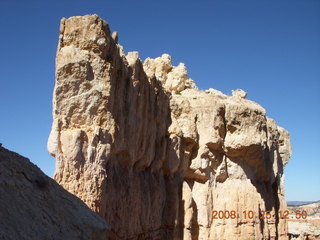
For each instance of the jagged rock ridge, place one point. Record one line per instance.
(153, 155)
(33, 206)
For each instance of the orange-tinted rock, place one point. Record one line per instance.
(152, 154)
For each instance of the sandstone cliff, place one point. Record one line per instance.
(153, 155)
(33, 206)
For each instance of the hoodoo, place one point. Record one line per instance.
(153, 155)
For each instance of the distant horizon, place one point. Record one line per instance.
(302, 201)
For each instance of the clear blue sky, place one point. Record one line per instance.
(269, 48)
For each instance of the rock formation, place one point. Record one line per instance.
(33, 206)
(306, 227)
(155, 156)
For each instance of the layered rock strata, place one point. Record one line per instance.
(152, 154)
(33, 206)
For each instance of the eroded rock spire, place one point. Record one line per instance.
(155, 156)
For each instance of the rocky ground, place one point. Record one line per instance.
(304, 228)
(34, 206)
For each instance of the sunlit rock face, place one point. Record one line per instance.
(155, 156)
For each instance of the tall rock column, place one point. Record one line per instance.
(153, 155)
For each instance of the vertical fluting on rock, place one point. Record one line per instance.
(153, 155)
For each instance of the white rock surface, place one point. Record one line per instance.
(239, 93)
